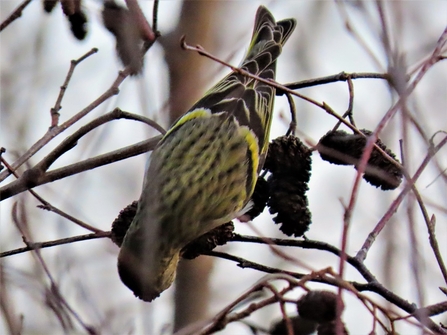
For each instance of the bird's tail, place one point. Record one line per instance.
(266, 43)
(249, 100)
(265, 47)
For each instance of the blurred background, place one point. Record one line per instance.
(35, 53)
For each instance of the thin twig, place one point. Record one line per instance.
(348, 112)
(277, 251)
(57, 106)
(224, 317)
(53, 132)
(155, 17)
(362, 253)
(435, 246)
(71, 141)
(282, 304)
(284, 89)
(430, 223)
(309, 244)
(46, 205)
(342, 76)
(14, 15)
(292, 125)
(272, 83)
(367, 153)
(37, 176)
(145, 29)
(139, 148)
(48, 244)
(2, 151)
(349, 27)
(431, 310)
(372, 287)
(54, 288)
(385, 29)
(10, 318)
(253, 308)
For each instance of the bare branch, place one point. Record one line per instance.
(48, 244)
(54, 288)
(342, 76)
(53, 132)
(155, 17)
(37, 176)
(57, 106)
(46, 205)
(310, 244)
(372, 287)
(285, 89)
(14, 15)
(367, 153)
(21, 185)
(362, 253)
(144, 27)
(292, 125)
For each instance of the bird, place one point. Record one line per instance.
(203, 171)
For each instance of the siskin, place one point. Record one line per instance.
(203, 172)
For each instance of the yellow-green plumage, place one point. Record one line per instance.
(203, 172)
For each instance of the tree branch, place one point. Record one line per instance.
(48, 244)
(14, 15)
(22, 185)
(372, 287)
